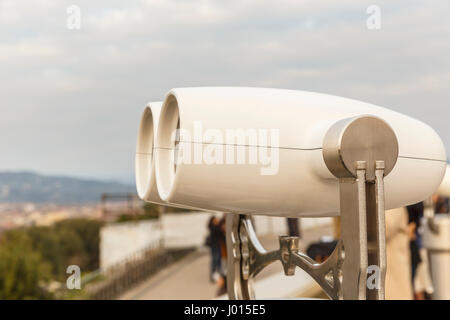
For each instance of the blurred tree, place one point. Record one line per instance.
(31, 257)
(47, 243)
(21, 268)
(88, 232)
(151, 210)
(72, 241)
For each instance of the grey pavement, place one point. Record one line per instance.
(189, 277)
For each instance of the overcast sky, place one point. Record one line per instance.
(71, 99)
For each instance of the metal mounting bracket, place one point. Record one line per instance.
(360, 152)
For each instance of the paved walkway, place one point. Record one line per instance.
(189, 277)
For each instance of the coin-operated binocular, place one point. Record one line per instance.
(255, 151)
(436, 239)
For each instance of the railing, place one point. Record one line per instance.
(133, 271)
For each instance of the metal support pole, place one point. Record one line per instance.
(360, 152)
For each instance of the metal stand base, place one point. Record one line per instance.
(356, 269)
(247, 257)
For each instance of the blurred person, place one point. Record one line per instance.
(441, 204)
(321, 250)
(398, 271)
(415, 215)
(223, 243)
(423, 285)
(222, 284)
(214, 242)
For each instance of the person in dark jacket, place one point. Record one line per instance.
(441, 204)
(214, 240)
(415, 214)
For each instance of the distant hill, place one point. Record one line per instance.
(25, 186)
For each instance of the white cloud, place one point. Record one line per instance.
(73, 97)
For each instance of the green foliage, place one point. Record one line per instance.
(88, 232)
(149, 211)
(174, 209)
(21, 268)
(29, 256)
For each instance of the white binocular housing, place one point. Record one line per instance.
(444, 188)
(260, 151)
